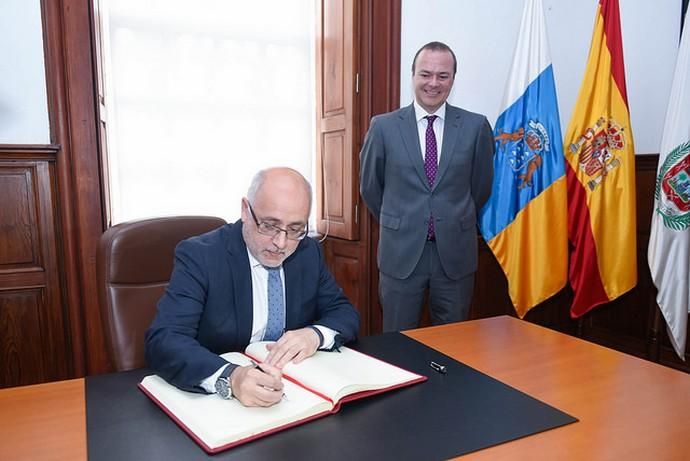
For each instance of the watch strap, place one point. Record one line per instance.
(223, 386)
(319, 334)
(228, 370)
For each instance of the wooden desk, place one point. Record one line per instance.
(628, 408)
(43, 422)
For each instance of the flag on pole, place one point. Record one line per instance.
(669, 242)
(524, 222)
(600, 172)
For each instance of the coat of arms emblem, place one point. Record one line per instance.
(596, 149)
(526, 151)
(672, 191)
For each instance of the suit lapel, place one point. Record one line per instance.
(241, 283)
(451, 129)
(410, 136)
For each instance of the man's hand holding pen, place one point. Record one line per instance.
(261, 385)
(257, 386)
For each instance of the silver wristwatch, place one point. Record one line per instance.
(223, 387)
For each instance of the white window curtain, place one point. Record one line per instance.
(199, 96)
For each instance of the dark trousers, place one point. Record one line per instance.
(403, 299)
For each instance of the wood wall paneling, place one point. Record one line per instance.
(336, 35)
(335, 47)
(21, 344)
(18, 237)
(335, 150)
(34, 340)
(343, 260)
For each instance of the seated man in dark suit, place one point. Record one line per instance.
(257, 279)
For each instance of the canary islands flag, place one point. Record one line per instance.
(600, 171)
(524, 221)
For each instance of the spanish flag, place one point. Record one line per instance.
(600, 174)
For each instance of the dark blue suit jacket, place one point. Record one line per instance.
(207, 308)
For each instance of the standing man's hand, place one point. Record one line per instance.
(295, 346)
(257, 387)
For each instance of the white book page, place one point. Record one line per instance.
(337, 374)
(218, 422)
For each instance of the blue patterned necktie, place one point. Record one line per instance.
(276, 310)
(431, 165)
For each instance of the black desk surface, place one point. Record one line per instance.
(449, 415)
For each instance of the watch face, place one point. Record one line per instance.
(223, 388)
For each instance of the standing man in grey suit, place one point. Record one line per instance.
(425, 172)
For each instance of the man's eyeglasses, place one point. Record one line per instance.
(270, 230)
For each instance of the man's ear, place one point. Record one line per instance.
(244, 214)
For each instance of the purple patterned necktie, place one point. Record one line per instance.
(431, 165)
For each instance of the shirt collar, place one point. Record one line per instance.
(420, 112)
(254, 263)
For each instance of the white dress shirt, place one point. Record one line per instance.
(260, 315)
(438, 126)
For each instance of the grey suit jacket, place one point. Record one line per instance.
(396, 190)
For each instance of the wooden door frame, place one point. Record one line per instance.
(70, 80)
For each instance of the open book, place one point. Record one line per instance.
(313, 388)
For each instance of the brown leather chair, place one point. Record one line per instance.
(134, 263)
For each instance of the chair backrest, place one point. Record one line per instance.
(134, 263)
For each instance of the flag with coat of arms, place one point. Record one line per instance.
(600, 172)
(525, 221)
(669, 241)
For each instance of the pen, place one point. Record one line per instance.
(258, 367)
(437, 367)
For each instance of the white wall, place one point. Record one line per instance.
(23, 100)
(483, 34)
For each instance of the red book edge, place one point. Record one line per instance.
(335, 409)
(356, 395)
(227, 446)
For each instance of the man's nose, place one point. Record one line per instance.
(280, 240)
